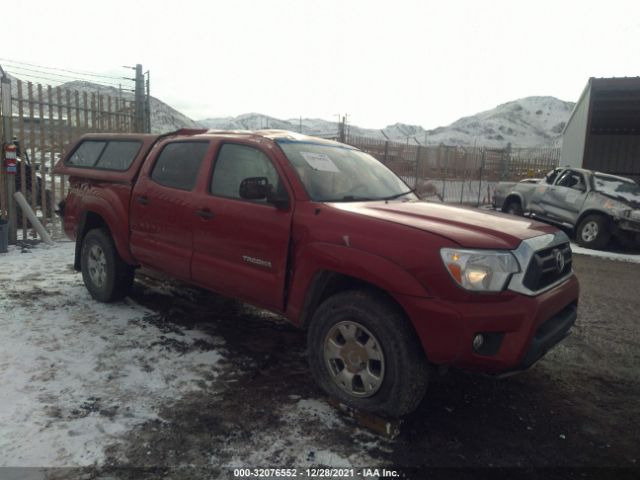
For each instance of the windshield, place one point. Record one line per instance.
(616, 187)
(341, 174)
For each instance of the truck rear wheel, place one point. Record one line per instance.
(593, 232)
(363, 351)
(513, 207)
(105, 275)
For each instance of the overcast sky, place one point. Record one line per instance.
(417, 62)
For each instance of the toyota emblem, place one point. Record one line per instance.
(559, 261)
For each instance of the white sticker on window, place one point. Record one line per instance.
(320, 162)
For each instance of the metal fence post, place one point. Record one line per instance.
(481, 171)
(140, 110)
(506, 159)
(415, 185)
(386, 152)
(444, 174)
(7, 138)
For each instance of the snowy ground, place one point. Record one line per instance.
(194, 385)
(76, 373)
(78, 377)
(622, 257)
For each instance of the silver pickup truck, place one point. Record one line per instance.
(596, 206)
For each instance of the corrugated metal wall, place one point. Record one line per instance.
(617, 154)
(575, 133)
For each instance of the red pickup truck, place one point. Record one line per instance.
(384, 284)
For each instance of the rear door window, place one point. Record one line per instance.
(178, 164)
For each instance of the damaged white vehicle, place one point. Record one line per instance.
(596, 206)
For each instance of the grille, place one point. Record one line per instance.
(544, 268)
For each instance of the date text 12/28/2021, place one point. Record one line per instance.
(315, 472)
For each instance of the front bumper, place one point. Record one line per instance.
(629, 225)
(547, 336)
(526, 327)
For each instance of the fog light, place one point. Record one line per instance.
(478, 341)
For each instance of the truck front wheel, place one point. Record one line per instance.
(593, 232)
(363, 351)
(105, 275)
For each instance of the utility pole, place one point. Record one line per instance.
(140, 123)
(345, 128)
(342, 128)
(147, 104)
(7, 138)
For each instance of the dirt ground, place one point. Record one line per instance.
(579, 407)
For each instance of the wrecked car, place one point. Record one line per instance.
(594, 205)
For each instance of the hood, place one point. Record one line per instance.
(469, 227)
(621, 189)
(629, 200)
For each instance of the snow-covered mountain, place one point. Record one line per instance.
(528, 122)
(163, 117)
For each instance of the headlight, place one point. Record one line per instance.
(480, 270)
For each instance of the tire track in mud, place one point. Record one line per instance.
(262, 408)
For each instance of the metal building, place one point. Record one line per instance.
(603, 131)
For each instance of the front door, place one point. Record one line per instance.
(241, 246)
(563, 201)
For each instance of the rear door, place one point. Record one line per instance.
(163, 206)
(240, 246)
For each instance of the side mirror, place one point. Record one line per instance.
(254, 188)
(278, 200)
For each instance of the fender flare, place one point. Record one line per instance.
(111, 214)
(592, 211)
(316, 258)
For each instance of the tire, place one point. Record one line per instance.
(105, 275)
(389, 376)
(513, 207)
(593, 232)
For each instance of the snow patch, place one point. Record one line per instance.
(622, 257)
(301, 446)
(76, 374)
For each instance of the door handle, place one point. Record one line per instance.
(142, 200)
(205, 213)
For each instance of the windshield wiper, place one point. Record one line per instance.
(351, 198)
(392, 197)
(346, 198)
(355, 198)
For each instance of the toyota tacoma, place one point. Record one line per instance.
(385, 285)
